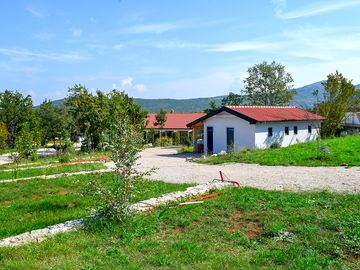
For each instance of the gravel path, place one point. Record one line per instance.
(174, 168)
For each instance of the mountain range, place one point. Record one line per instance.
(304, 98)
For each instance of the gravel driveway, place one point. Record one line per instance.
(174, 168)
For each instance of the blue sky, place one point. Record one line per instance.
(171, 49)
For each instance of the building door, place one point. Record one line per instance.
(210, 140)
(230, 139)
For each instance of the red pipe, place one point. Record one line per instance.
(234, 182)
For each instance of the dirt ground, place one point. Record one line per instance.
(174, 168)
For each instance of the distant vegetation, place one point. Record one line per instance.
(303, 98)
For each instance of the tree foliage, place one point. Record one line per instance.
(15, 109)
(212, 107)
(160, 118)
(337, 101)
(53, 121)
(268, 85)
(3, 134)
(26, 143)
(233, 100)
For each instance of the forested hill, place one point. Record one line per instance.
(304, 98)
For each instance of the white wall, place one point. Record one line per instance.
(352, 119)
(262, 140)
(244, 133)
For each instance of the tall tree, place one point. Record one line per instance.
(232, 100)
(87, 114)
(338, 99)
(15, 109)
(212, 107)
(160, 119)
(268, 85)
(53, 121)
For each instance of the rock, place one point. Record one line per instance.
(222, 153)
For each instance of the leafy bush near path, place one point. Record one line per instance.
(241, 229)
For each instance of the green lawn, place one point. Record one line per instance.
(28, 205)
(55, 160)
(240, 229)
(342, 150)
(51, 170)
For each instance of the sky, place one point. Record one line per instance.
(171, 49)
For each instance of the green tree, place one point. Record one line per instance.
(338, 100)
(15, 109)
(88, 113)
(160, 119)
(3, 134)
(26, 143)
(53, 121)
(212, 107)
(232, 100)
(268, 85)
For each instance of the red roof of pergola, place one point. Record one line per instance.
(174, 120)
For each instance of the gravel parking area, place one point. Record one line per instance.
(175, 168)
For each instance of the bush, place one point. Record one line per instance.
(275, 145)
(64, 158)
(34, 156)
(25, 143)
(176, 137)
(164, 141)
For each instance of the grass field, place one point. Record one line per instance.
(240, 229)
(51, 170)
(342, 150)
(55, 159)
(36, 204)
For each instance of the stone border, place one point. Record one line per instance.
(142, 206)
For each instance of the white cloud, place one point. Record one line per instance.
(76, 32)
(35, 13)
(118, 46)
(179, 44)
(44, 36)
(140, 88)
(246, 46)
(155, 28)
(313, 9)
(127, 83)
(58, 56)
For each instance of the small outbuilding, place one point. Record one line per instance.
(231, 128)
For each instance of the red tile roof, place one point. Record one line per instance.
(254, 114)
(275, 113)
(174, 120)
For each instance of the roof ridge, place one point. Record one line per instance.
(259, 106)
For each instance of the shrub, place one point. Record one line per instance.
(275, 145)
(25, 143)
(34, 156)
(176, 137)
(164, 141)
(64, 158)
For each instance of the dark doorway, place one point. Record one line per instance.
(210, 139)
(230, 139)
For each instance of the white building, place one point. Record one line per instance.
(234, 127)
(352, 120)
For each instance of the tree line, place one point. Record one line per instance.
(84, 114)
(268, 84)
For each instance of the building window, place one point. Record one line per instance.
(270, 133)
(286, 130)
(230, 139)
(295, 130)
(309, 129)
